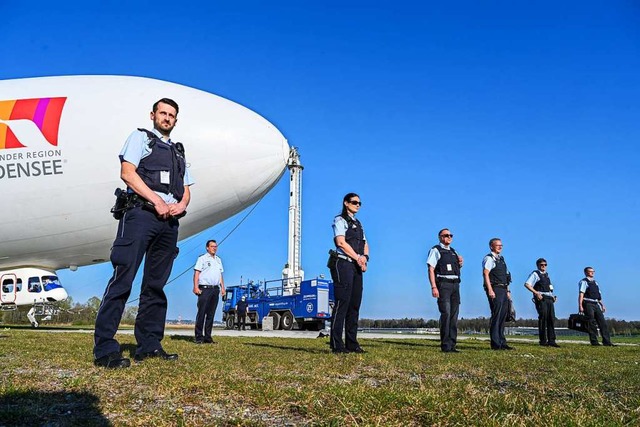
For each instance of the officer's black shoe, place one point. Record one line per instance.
(139, 357)
(198, 341)
(340, 351)
(507, 347)
(609, 344)
(554, 345)
(209, 341)
(357, 350)
(112, 361)
(595, 343)
(544, 344)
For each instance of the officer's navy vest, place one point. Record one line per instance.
(593, 291)
(354, 235)
(163, 157)
(544, 284)
(450, 257)
(498, 275)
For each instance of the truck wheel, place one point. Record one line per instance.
(276, 320)
(231, 322)
(286, 322)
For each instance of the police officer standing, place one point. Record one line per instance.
(444, 275)
(590, 303)
(157, 178)
(242, 309)
(207, 284)
(540, 285)
(347, 264)
(496, 283)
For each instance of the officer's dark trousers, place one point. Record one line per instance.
(242, 321)
(596, 320)
(347, 289)
(449, 305)
(140, 233)
(207, 304)
(499, 308)
(546, 320)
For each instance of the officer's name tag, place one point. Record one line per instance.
(164, 177)
(449, 267)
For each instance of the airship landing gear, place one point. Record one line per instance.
(32, 318)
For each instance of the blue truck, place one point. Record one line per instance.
(307, 308)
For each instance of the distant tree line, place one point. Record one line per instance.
(70, 313)
(481, 324)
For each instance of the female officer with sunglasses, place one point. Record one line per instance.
(347, 264)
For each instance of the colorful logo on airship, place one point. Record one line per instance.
(44, 112)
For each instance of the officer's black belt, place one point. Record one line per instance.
(591, 301)
(499, 285)
(447, 280)
(208, 286)
(344, 257)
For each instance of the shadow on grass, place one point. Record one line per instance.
(434, 344)
(36, 408)
(283, 347)
(187, 338)
(128, 350)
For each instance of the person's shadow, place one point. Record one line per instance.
(39, 408)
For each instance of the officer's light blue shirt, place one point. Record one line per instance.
(210, 268)
(535, 278)
(340, 229)
(137, 148)
(489, 263)
(433, 258)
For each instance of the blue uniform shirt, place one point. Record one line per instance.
(210, 268)
(340, 229)
(137, 148)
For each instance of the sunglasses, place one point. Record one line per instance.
(542, 265)
(446, 235)
(355, 203)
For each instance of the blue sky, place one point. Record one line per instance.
(494, 119)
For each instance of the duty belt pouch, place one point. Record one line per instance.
(121, 205)
(332, 258)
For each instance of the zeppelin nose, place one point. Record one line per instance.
(58, 294)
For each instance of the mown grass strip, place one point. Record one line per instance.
(49, 378)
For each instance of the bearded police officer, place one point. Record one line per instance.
(496, 283)
(540, 285)
(590, 303)
(208, 282)
(347, 264)
(155, 171)
(444, 275)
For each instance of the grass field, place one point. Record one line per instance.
(48, 379)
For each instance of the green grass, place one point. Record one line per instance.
(49, 379)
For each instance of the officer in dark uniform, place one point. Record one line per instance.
(444, 275)
(496, 283)
(590, 303)
(540, 285)
(242, 309)
(347, 263)
(154, 169)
